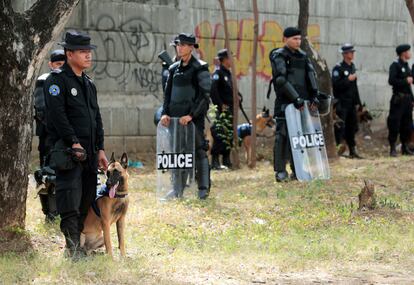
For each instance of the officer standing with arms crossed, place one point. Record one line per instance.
(400, 118)
(294, 81)
(345, 89)
(222, 97)
(187, 96)
(74, 120)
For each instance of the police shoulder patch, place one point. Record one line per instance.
(335, 73)
(216, 76)
(54, 90)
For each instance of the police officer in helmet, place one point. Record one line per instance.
(294, 82)
(74, 121)
(400, 118)
(345, 90)
(187, 96)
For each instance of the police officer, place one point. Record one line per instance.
(73, 118)
(222, 97)
(57, 59)
(345, 90)
(400, 118)
(187, 96)
(294, 81)
(46, 194)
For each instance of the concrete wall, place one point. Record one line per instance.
(129, 35)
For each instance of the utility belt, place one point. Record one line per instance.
(399, 97)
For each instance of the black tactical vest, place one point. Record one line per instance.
(183, 92)
(296, 74)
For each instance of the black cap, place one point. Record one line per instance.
(402, 48)
(291, 32)
(57, 55)
(347, 48)
(76, 41)
(186, 39)
(223, 53)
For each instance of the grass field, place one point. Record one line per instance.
(251, 231)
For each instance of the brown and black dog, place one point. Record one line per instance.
(265, 127)
(109, 207)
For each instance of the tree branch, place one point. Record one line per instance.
(410, 7)
(40, 32)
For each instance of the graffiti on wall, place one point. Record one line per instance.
(211, 39)
(126, 53)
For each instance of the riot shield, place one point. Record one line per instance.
(307, 143)
(175, 161)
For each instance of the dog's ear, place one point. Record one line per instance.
(124, 160)
(112, 160)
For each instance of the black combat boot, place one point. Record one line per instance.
(353, 153)
(226, 160)
(281, 176)
(405, 150)
(215, 162)
(393, 151)
(70, 229)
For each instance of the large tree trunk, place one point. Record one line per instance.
(324, 77)
(235, 152)
(254, 74)
(25, 39)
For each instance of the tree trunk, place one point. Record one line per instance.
(235, 150)
(410, 7)
(324, 77)
(25, 39)
(254, 74)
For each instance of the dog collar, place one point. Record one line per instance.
(121, 195)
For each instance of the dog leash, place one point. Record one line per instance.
(242, 109)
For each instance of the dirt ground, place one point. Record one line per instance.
(251, 230)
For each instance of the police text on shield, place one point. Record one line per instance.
(167, 161)
(308, 141)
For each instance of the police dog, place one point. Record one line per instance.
(109, 207)
(265, 127)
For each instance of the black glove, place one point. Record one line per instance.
(76, 151)
(298, 103)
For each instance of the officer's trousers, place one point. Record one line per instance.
(202, 168)
(282, 152)
(400, 118)
(348, 127)
(75, 192)
(201, 160)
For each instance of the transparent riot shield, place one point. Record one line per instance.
(175, 161)
(307, 143)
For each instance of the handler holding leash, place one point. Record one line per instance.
(76, 137)
(294, 81)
